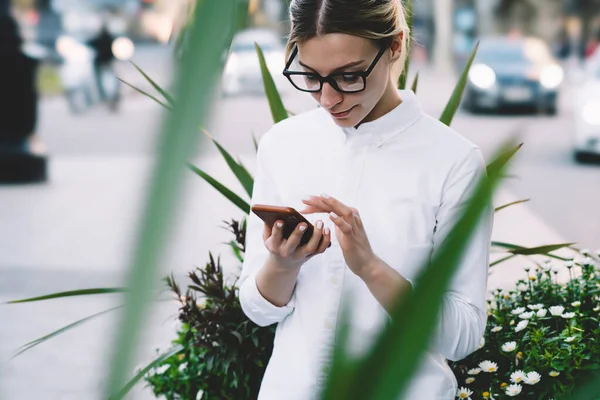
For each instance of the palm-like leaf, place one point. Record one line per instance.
(502, 207)
(82, 292)
(415, 83)
(165, 105)
(275, 103)
(225, 191)
(408, 7)
(156, 86)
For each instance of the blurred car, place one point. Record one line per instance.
(511, 72)
(586, 113)
(242, 71)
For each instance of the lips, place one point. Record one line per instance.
(343, 113)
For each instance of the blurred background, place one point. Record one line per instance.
(77, 146)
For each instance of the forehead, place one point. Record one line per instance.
(328, 52)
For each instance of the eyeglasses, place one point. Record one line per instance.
(343, 82)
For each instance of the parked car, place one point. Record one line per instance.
(586, 113)
(242, 71)
(513, 72)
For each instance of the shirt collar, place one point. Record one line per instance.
(389, 125)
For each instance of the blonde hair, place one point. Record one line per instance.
(377, 20)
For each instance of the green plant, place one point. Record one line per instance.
(542, 336)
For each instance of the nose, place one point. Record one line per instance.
(329, 96)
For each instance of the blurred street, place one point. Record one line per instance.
(77, 229)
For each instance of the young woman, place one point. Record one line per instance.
(379, 179)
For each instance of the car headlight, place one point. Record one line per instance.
(482, 76)
(591, 112)
(232, 64)
(552, 76)
(123, 48)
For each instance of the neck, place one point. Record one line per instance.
(389, 100)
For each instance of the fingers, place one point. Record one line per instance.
(315, 239)
(273, 236)
(292, 243)
(325, 242)
(341, 223)
(315, 204)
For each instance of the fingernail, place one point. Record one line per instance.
(319, 224)
(307, 198)
(302, 228)
(333, 215)
(327, 231)
(279, 225)
(324, 195)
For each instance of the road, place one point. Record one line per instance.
(77, 230)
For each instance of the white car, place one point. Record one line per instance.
(587, 113)
(242, 72)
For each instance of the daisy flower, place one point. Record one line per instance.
(521, 325)
(469, 380)
(585, 252)
(576, 303)
(518, 311)
(474, 371)
(182, 367)
(542, 313)
(488, 366)
(535, 307)
(556, 310)
(518, 377)
(509, 346)
(526, 315)
(513, 390)
(570, 339)
(199, 394)
(464, 393)
(532, 378)
(496, 329)
(482, 342)
(568, 315)
(162, 369)
(569, 263)
(554, 374)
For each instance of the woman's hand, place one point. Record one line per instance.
(349, 230)
(288, 253)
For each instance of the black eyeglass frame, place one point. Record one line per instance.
(329, 78)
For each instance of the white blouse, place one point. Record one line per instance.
(409, 176)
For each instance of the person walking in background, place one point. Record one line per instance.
(103, 64)
(382, 182)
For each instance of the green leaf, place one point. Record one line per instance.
(255, 142)
(502, 260)
(415, 83)
(540, 250)
(228, 193)
(156, 362)
(236, 251)
(168, 107)
(200, 66)
(454, 102)
(511, 204)
(240, 172)
(275, 103)
(386, 371)
(588, 390)
(408, 12)
(515, 249)
(238, 336)
(160, 90)
(492, 164)
(83, 292)
(57, 332)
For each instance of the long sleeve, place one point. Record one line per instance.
(254, 305)
(463, 317)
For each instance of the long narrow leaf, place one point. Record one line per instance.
(492, 165)
(493, 264)
(156, 362)
(225, 191)
(385, 372)
(168, 107)
(408, 7)
(64, 329)
(514, 248)
(255, 142)
(511, 204)
(159, 89)
(241, 173)
(84, 292)
(454, 102)
(587, 390)
(275, 103)
(210, 34)
(540, 250)
(415, 83)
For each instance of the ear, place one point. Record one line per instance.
(396, 47)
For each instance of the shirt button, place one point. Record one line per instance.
(334, 280)
(328, 324)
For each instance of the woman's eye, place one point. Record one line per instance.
(350, 78)
(311, 78)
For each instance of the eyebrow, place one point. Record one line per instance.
(349, 65)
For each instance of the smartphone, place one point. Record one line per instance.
(290, 217)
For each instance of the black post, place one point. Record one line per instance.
(18, 106)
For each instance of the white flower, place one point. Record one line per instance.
(521, 325)
(464, 393)
(522, 287)
(526, 315)
(576, 303)
(513, 390)
(496, 329)
(469, 380)
(199, 394)
(162, 369)
(569, 263)
(518, 311)
(554, 373)
(509, 346)
(535, 307)
(556, 310)
(474, 371)
(488, 366)
(568, 315)
(532, 378)
(518, 377)
(482, 342)
(547, 266)
(570, 339)
(542, 313)
(182, 367)
(585, 252)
